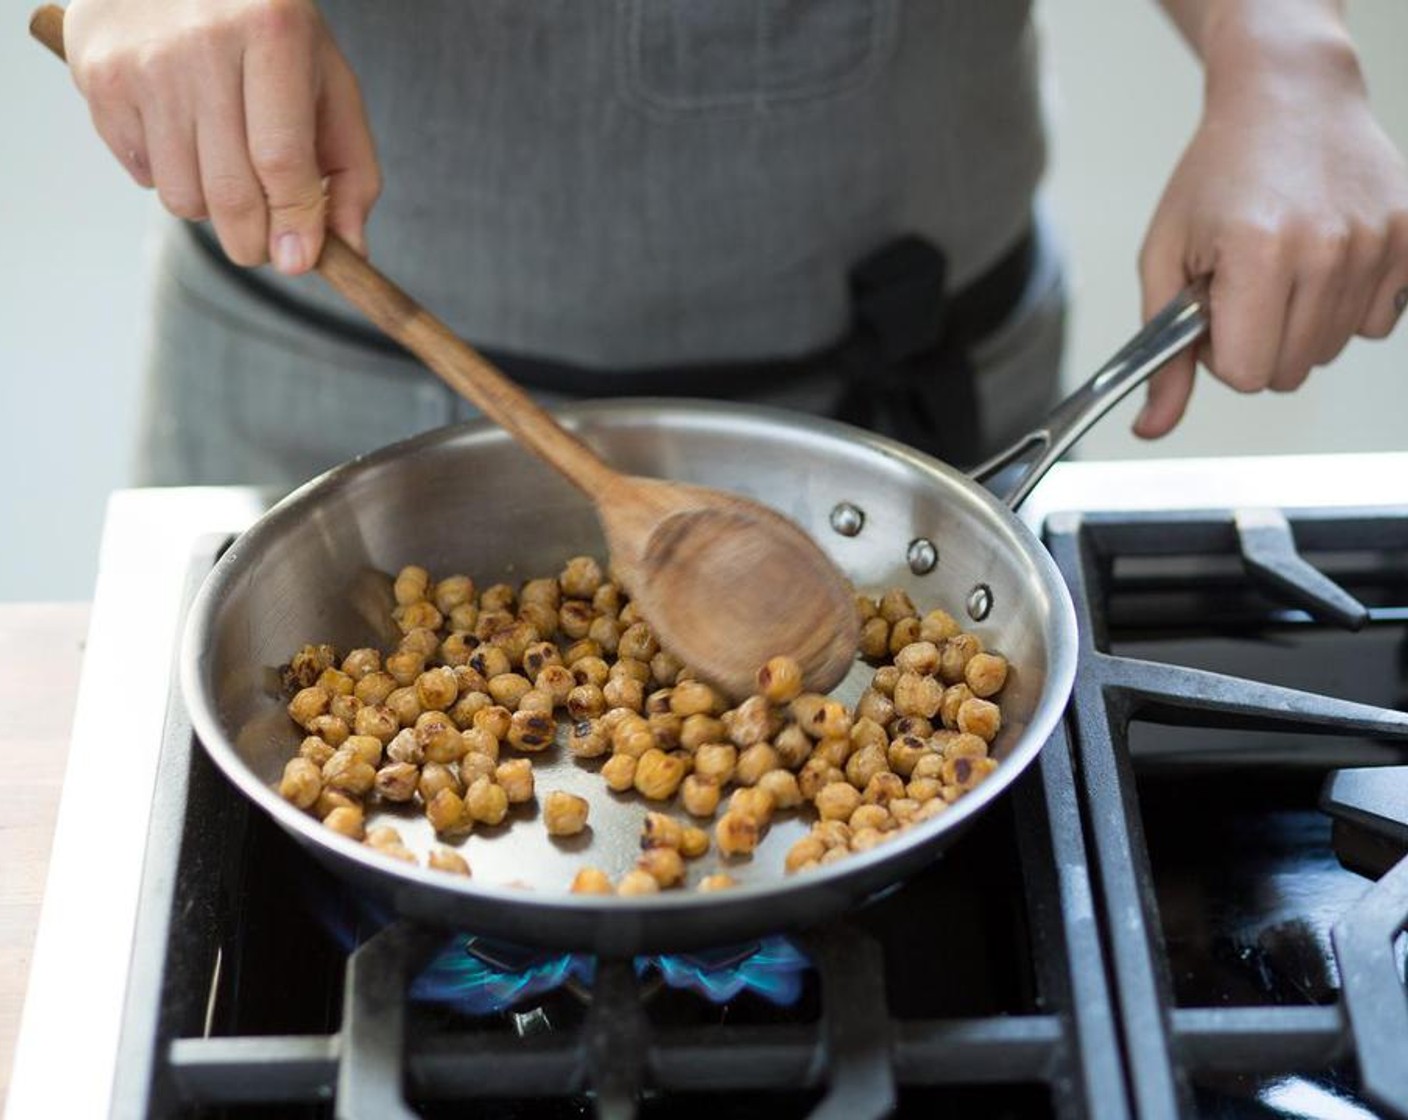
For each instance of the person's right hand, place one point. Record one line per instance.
(240, 111)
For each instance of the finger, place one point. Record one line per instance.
(346, 153)
(171, 148)
(1319, 297)
(280, 87)
(1368, 261)
(113, 107)
(1162, 276)
(1250, 297)
(1390, 296)
(232, 191)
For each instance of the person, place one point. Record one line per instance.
(827, 205)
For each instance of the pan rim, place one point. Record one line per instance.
(844, 877)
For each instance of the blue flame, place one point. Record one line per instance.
(773, 970)
(497, 977)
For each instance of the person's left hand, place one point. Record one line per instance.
(1295, 201)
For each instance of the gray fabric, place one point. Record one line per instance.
(648, 183)
(240, 390)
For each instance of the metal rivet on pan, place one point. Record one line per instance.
(847, 519)
(922, 556)
(979, 602)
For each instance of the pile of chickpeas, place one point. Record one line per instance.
(450, 720)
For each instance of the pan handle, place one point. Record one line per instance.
(1179, 324)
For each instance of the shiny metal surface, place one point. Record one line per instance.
(467, 500)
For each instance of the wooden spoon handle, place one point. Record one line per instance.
(458, 364)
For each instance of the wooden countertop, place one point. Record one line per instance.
(41, 645)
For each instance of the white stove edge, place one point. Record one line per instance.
(78, 975)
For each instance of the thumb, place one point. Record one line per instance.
(346, 153)
(1162, 277)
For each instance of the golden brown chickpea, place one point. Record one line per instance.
(541, 617)
(865, 763)
(895, 605)
(412, 584)
(699, 796)
(447, 814)
(921, 790)
(866, 732)
(883, 788)
(874, 639)
(574, 619)
(809, 849)
(638, 642)
(330, 729)
(491, 623)
(531, 731)
(666, 865)
(865, 608)
(404, 666)
(982, 718)
(665, 667)
(347, 820)
(965, 773)
(435, 776)
(366, 747)
(498, 597)
(307, 704)
(885, 679)
(336, 683)
(918, 657)
(535, 700)
(443, 859)
(870, 816)
(544, 591)
(917, 726)
(985, 674)
(918, 696)
(418, 616)
(660, 830)
(495, 720)
(835, 855)
(831, 721)
(489, 662)
(404, 705)
(478, 741)
(379, 722)
(780, 680)
(463, 618)
(619, 772)
(955, 655)
(606, 632)
(631, 735)
(305, 665)
(588, 739)
(624, 692)
(793, 746)
(837, 801)
(903, 633)
(694, 842)
(451, 592)
(637, 882)
(476, 766)
(700, 729)
(468, 706)
(753, 801)
(347, 772)
(469, 680)
(608, 599)
(557, 684)
(437, 689)
(360, 662)
(693, 698)
(539, 656)
(591, 880)
(439, 737)
(515, 640)
(420, 640)
(628, 668)
(516, 778)
(904, 754)
(345, 708)
(781, 786)
(862, 840)
(965, 745)
(938, 627)
(658, 775)
(752, 722)
(383, 836)
(666, 727)
(405, 747)
(930, 766)
(737, 834)
(903, 811)
(585, 701)
(486, 802)
(590, 670)
(835, 751)
(630, 614)
(374, 688)
(301, 783)
(754, 762)
(580, 577)
(875, 706)
(815, 775)
(331, 799)
(315, 750)
(832, 834)
(719, 881)
(396, 781)
(955, 696)
(716, 762)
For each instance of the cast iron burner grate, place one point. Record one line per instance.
(1092, 1028)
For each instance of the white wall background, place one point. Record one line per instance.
(75, 239)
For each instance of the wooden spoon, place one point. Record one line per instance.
(726, 582)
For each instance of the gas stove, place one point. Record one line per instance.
(1193, 905)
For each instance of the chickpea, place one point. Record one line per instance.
(331, 799)
(737, 834)
(753, 763)
(700, 729)
(917, 726)
(719, 881)
(636, 882)
(535, 700)
(904, 811)
(404, 705)
(304, 667)
(632, 736)
(447, 813)
(516, 778)
(591, 880)
(508, 689)
(834, 855)
(439, 737)
(694, 842)
(619, 772)
(693, 698)
(307, 704)
(492, 622)
(580, 577)
(955, 696)
(921, 790)
(468, 706)
(985, 674)
(918, 657)
(903, 633)
(476, 766)
(885, 679)
(498, 597)
(866, 838)
(435, 776)
(383, 836)
(515, 640)
(868, 816)
(833, 833)
(360, 662)
(832, 721)
(464, 618)
(405, 747)
(437, 689)
(494, 719)
(666, 727)
(874, 638)
(347, 820)
(865, 764)
(588, 739)
(404, 666)
(545, 591)
(486, 802)
(374, 688)
(754, 802)
(585, 702)
(809, 849)
(660, 830)
(396, 781)
(904, 754)
(419, 640)
(347, 772)
(781, 786)
(930, 766)
(867, 733)
(418, 616)
(557, 684)
(699, 796)
(815, 775)
(793, 746)
(837, 801)
(335, 683)
(780, 680)
(608, 599)
(379, 722)
(955, 655)
(982, 718)
(716, 762)
(896, 604)
(412, 584)
(658, 775)
(875, 706)
(532, 731)
(624, 692)
(835, 751)
(469, 680)
(965, 773)
(490, 662)
(918, 696)
(315, 750)
(443, 859)
(458, 648)
(606, 632)
(638, 641)
(751, 722)
(628, 668)
(590, 669)
(541, 617)
(301, 783)
(630, 614)
(345, 708)
(665, 667)
(665, 865)
(884, 788)
(574, 619)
